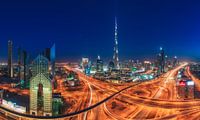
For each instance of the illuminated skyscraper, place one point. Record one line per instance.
(99, 65)
(23, 67)
(116, 54)
(175, 61)
(10, 62)
(50, 54)
(111, 65)
(53, 58)
(161, 60)
(40, 65)
(57, 104)
(40, 88)
(84, 63)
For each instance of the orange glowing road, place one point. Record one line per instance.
(196, 80)
(155, 99)
(9, 88)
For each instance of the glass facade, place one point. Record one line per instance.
(40, 77)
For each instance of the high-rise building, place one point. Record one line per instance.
(23, 66)
(87, 69)
(161, 60)
(25, 71)
(10, 61)
(175, 61)
(85, 62)
(167, 63)
(40, 88)
(111, 65)
(40, 65)
(19, 63)
(162, 64)
(147, 65)
(99, 65)
(116, 52)
(50, 54)
(53, 59)
(57, 104)
(47, 53)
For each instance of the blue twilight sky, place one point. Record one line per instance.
(86, 27)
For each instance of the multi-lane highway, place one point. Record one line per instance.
(155, 99)
(152, 99)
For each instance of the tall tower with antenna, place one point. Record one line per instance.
(116, 52)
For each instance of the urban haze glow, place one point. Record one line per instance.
(99, 60)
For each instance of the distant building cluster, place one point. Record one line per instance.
(164, 63)
(127, 71)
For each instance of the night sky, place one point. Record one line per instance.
(86, 27)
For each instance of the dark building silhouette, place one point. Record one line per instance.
(10, 62)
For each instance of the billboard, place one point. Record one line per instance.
(190, 83)
(182, 83)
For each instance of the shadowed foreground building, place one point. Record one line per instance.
(40, 88)
(10, 62)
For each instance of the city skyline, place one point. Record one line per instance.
(69, 23)
(99, 60)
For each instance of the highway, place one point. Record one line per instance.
(9, 88)
(196, 80)
(160, 99)
(155, 99)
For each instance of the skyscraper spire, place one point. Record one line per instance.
(115, 56)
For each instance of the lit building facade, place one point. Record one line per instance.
(190, 89)
(116, 51)
(175, 61)
(99, 65)
(85, 62)
(40, 87)
(111, 65)
(161, 61)
(86, 66)
(57, 104)
(147, 65)
(53, 59)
